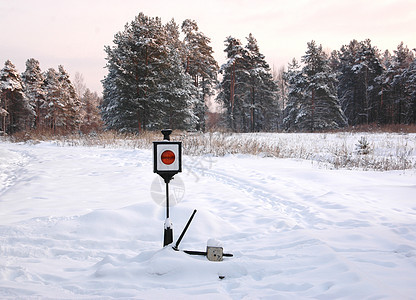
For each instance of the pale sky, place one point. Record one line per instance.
(73, 33)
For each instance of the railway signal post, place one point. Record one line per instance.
(167, 162)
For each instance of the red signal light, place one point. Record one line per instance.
(167, 157)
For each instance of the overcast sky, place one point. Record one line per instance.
(73, 33)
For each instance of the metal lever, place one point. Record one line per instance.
(184, 231)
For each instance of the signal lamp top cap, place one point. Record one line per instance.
(166, 133)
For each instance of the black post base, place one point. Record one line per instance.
(168, 236)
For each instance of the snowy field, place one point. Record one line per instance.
(86, 223)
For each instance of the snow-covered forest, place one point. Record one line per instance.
(45, 101)
(164, 75)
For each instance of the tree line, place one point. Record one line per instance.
(156, 79)
(45, 101)
(352, 86)
(164, 75)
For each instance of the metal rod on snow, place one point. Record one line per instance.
(184, 230)
(204, 253)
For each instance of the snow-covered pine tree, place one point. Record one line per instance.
(132, 62)
(231, 88)
(410, 90)
(247, 89)
(348, 82)
(296, 84)
(72, 104)
(54, 105)
(176, 95)
(201, 66)
(15, 110)
(369, 68)
(358, 88)
(111, 112)
(261, 90)
(135, 87)
(407, 103)
(320, 108)
(397, 102)
(33, 80)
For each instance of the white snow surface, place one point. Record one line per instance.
(80, 223)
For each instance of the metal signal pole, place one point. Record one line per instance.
(168, 232)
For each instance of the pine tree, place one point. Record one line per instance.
(261, 95)
(176, 94)
(322, 108)
(296, 83)
(358, 87)
(132, 64)
(408, 101)
(230, 88)
(348, 82)
(201, 66)
(53, 102)
(111, 110)
(71, 108)
(15, 110)
(369, 69)
(396, 97)
(247, 90)
(410, 90)
(136, 87)
(33, 80)
(313, 101)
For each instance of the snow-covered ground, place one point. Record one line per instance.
(84, 223)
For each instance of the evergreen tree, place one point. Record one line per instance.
(358, 87)
(410, 90)
(369, 69)
(348, 82)
(247, 90)
(62, 105)
(133, 63)
(176, 94)
(54, 104)
(320, 109)
(71, 108)
(261, 95)
(15, 109)
(396, 105)
(296, 84)
(201, 66)
(230, 88)
(33, 80)
(111, 109)
(138, 91)
(314, 103)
